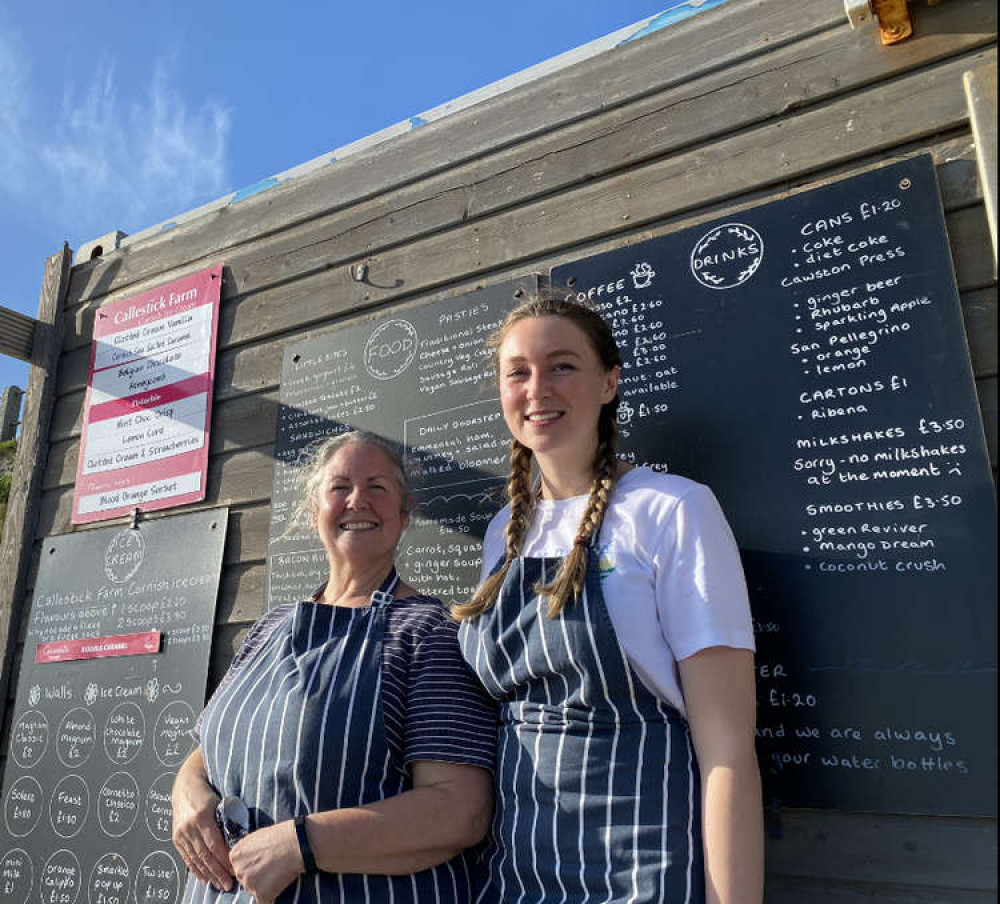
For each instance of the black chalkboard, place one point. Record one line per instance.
(417, 376)
(95, 743)
(806, 359)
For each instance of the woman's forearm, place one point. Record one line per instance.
(406, 833)
(719, 693)
(447, 810)
(733, 832)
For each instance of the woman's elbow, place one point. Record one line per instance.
(478, 823)
(464, 809)
(469, 823)
(472, 817)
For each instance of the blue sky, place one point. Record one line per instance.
(112, 118)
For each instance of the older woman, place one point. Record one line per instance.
(348, 724)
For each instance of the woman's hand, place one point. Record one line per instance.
(196, 834)
(267, 861)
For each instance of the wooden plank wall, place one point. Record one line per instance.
(742, 103)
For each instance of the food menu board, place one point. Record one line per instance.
(112, 679)
(806, 359)
(419, 378)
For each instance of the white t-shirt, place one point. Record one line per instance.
(670, 570)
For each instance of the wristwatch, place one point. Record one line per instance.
(305, 849)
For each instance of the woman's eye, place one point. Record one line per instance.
(563, 365)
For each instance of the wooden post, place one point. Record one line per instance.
(32, 450)
(981, 96)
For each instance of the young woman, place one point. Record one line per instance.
(348, 725)
(613, 625)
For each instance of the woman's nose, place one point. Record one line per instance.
(357, 497)
(538, 385)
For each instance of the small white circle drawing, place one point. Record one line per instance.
(124, 733)
(76, 737)
(109, 880)
(23, 807)
(69, 806)
(29, 738)
(124, 556)
(18, 875)
(727, 256)
(156, 879)
(159, 814)
(118, 804)
(172, 739)
(60, 878)
(390, 349)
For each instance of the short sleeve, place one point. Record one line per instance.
(701, 593)
(259, 631)
(449, 717)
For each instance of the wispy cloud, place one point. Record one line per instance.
(13, 67)
(103, 162)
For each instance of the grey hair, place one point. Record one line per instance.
(314, 458)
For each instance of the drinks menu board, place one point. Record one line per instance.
(806, 359)
(111, 682)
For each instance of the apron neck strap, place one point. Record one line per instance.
(385, 593)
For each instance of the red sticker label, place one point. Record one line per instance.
(98, 647)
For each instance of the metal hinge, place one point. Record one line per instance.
(892, 16)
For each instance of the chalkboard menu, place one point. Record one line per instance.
(806, 359)
(112, 680)
(418, 377)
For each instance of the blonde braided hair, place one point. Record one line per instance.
(569, 580)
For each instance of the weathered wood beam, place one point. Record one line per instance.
(17, 334)
(29, 465)
(981, 93)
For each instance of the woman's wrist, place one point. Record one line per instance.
(305, 846)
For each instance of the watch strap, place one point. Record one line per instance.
(305, 849)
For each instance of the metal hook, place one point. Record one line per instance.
(359, 272)
(134, 520)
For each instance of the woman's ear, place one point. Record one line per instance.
(611, 384)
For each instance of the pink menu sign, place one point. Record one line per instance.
(149, 400)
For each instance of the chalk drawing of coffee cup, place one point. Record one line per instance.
(625, 413)
(642, 275)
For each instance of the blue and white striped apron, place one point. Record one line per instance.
(301, 731)
(598, 790)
